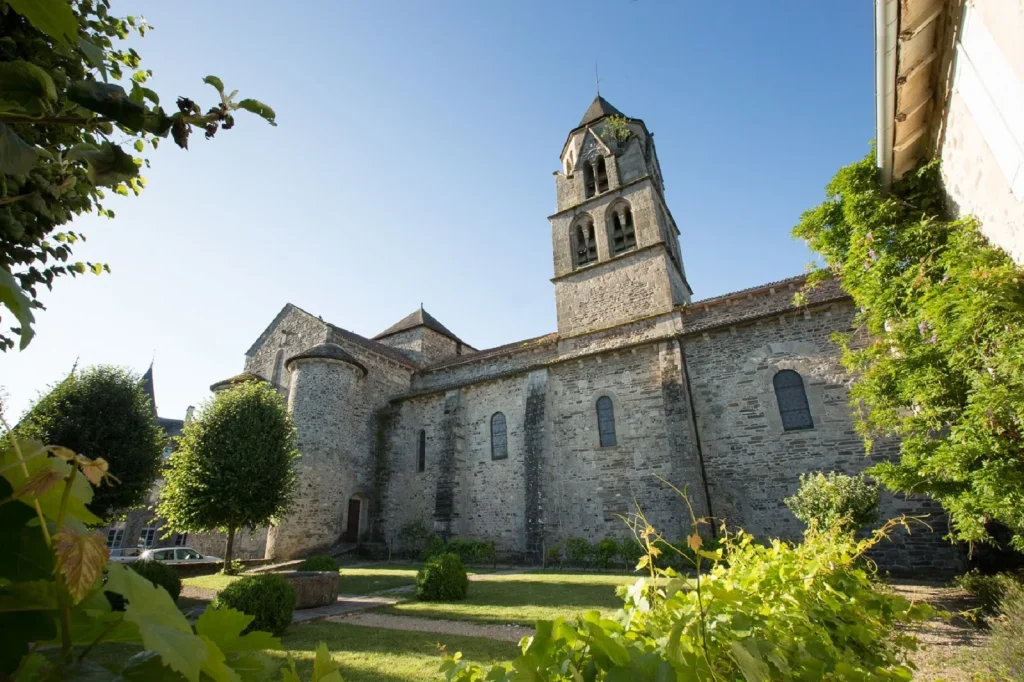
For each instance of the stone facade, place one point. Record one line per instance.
(406, 428)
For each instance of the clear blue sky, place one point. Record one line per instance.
(413, 162)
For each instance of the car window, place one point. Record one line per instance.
(192, 554)
(181, 554)
(164, 555)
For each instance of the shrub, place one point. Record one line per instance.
(630, 552)
(605, 552)
(553, 556)
(268, 597)
(989, 590)
(432, 548)
(806, 611)
(835, 502)
(1004, 652)
(235, 568)
(443, 578)
(319, 562)
(578, 551)
(155, 572)
(159, 574)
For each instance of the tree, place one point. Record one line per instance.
(103, 412)
(943, 314)
(233, 466)
(62, 124)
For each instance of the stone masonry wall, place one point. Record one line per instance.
(294, 333)
(321, 394)
(751, 463)
(631, 286)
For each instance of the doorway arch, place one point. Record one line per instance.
(357, 513)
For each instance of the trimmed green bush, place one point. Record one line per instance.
(269, 597)
(319, 562)
(605, 552)
(835, 502)
(155, 572)
(443, 578)
(470, 551)
(578, 551)
(159, 574)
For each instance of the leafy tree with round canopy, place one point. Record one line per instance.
(103, 412)
(234, 465)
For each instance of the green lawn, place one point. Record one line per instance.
(523, 598)
(210, 582)
(367, 579)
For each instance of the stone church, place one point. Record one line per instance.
(527, 444)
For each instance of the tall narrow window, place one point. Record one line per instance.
(588, 179)
(789, 391)
(606, 421)
(623, 234)
(148, 535)
(499, 441)
(586, 245)
(278, 368)
(421, 451)
(602, 176)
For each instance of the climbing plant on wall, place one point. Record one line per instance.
(942, 367)
(73, 97)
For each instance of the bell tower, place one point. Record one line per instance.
(615, 243)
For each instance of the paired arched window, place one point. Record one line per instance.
(588, 179)
(623, 234)
(421, 451)
(499, 437)
(793, 407)
(584, 242)
(606, 421)
(595, 177)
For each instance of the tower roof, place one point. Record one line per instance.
(326, 351)
(599, 108)
(419, 318)
(147, 387)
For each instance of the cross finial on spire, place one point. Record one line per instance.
(597, 79)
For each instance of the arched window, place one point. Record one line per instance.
(606, 421)
(585, 245)
(789, 391)
(623, 237)
(588, 179)
(278, 368)
(602, 176)
(499, 441)
(421, 451)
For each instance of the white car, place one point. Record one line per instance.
(126, 555)
(176, 555)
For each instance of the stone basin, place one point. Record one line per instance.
(313, 588)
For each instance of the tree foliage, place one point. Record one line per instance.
(234, 464)
(942, 369)
(835, 502)
(71, 94)
(103, 412)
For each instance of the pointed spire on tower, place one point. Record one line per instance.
(147, 386)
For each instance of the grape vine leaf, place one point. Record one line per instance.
(52, 17)
(162, 626)
(81, 558)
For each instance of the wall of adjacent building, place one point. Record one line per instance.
(982, 163)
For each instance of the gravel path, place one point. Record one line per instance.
(947, 647)
(507, 633)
